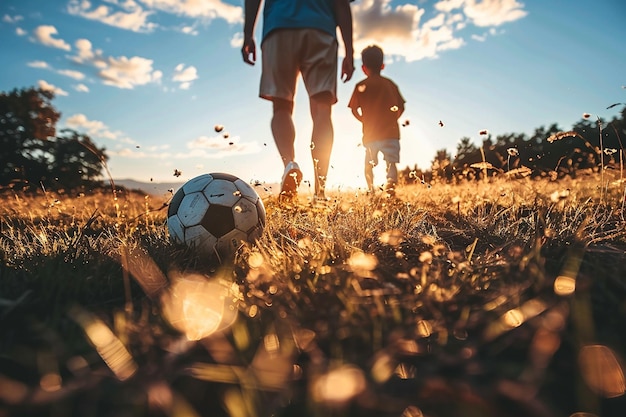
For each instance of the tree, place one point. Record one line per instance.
(30, 151)
(27, 121)
(76, 160)
(466, 153)
(441, 166)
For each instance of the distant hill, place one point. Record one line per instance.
(163, 188)
(152, 188)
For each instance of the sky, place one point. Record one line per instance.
(150, 80)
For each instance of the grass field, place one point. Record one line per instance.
(504, 297)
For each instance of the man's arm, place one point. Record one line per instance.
(344, 21)
(251, 11)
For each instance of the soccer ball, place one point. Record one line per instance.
(215, 214)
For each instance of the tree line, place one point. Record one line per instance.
(34, 155)
(590, 145)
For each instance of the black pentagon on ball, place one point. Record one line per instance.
(175, 203)
(218, 220)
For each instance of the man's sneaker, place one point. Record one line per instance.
(291, 179)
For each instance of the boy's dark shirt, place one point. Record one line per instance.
(380, 100)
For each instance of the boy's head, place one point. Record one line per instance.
(372, 58)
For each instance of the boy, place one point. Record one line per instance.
(377, 103)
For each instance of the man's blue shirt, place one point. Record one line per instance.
(295, 14)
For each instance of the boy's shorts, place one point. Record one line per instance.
(390, 149)
(284, 58)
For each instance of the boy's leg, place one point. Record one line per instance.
(322, 138)
(391, 152)
(369, 169)
(392, 172)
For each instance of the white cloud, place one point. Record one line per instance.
(44, 85)
(44, 34)
(398, 31)
(38, 64)
(158, 148)
(402, 31)
(121, 72)
(377, 21)
(494, 12)
(448, 5)
(77, 75)
(134, 15)
(218, 146)
(479, 38)
(152, 152)
(237, 40)
(81, 88)
(189, 30)
(85, 53)
(435, 22)
(20, 32)
(131, 16)
(127, 73)
(12, 19)
(94, 128)
(202, 147)
(185, 76)
(206, 9)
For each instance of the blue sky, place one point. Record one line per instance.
(150, 79)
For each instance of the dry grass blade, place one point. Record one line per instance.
(562, 135)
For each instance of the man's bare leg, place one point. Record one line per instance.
(321, 140)
(284, 134)
(283, 129)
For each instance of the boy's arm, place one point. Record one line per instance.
(248, 50)
(400, 109)
(344, 21)
(400, 101)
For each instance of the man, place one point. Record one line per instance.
(300, 37)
